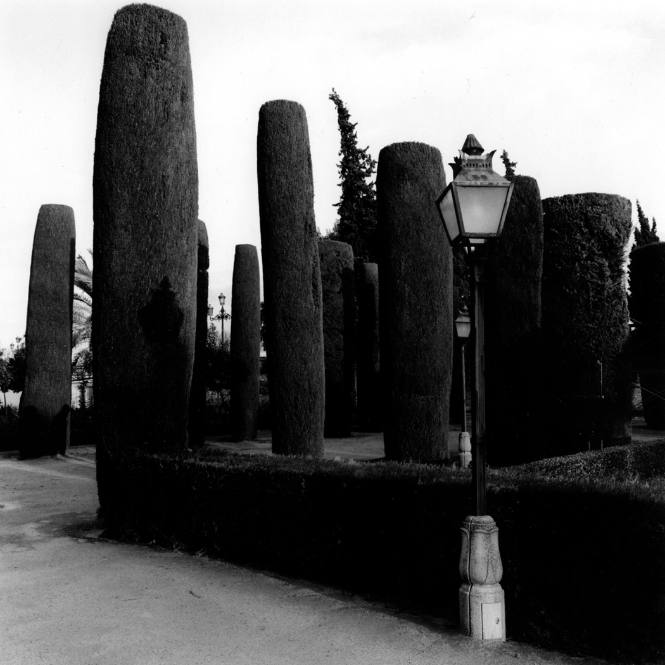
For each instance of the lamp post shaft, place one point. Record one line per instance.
(478, 440)
(222, 318)
(463, 361)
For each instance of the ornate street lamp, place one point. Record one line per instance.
(222, 313)
(473, 209)
(222, 316)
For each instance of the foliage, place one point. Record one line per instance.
(508, 165)
(647, 342)
(645, 234)
(415, 313)
(392, 531)
(291, 279)
(357, 205)
(82, 322)
(513, 309)
(585, 319)
(16, 365)
(218, 362)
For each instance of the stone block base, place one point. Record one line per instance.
(483, 611)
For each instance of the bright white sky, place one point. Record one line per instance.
(574, 90)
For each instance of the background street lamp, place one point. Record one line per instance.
(463, 330)
(473, 209)
(222, 316)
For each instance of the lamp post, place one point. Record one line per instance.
(222, 316)
(222, 312)
(463, 330)
(473, 210)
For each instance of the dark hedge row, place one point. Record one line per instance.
(585, 321)
(573, 553)
(513, 318)
(647, 310)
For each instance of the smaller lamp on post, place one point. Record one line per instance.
(222, 313)
(463, 330)
(473, 209)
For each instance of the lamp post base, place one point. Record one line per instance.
(481, 599)
(482, 609)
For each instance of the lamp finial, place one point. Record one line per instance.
(472, 146)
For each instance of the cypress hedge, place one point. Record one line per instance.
(368, 365)
(245, 343)
(513, 318)
(197, 397)
(647, 310)
(585, 321)
(145, 198)
(336, 259)
(415, 270)
(44, 420)
(291, 279)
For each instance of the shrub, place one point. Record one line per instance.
(415, 303)
(647, 310)
(392, 531)
(291, 279)
(145, 201)
(368, 365)
(245, 343)
(336, 260)
(46, 399)
(513, 318)
(585, 321)
(197, 395)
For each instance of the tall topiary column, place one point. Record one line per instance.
(338, 339)
(585, 320)
(368, 364)
(197, 397)
(245, 343)
(415, 270)
(291, 280)
(647, 309)
(512, 319)
(145, 187)
(46, 397)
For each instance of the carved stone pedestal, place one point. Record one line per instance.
(481, 599)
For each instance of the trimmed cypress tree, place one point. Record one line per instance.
(513, 317)
(368, 365)
(245, 343)
(291, 279)
(145, 188)
(197, 397)
(647, 310)
(46, 398)
(415, 304)
(336, 260)
(585, 320)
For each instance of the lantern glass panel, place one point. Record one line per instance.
(463, 326)
(448, 213)
(481, 209)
